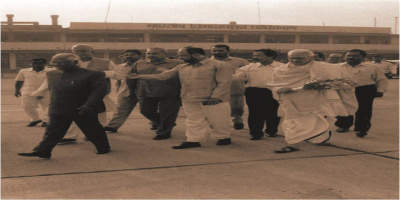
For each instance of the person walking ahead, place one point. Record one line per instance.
(205, 93)
(76, 94)
(262, 106)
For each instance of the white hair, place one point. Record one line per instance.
(65, 56)
(305, 51)
(84, 46)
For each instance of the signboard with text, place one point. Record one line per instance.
(227, 27)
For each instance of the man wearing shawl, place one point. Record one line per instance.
(308, 113)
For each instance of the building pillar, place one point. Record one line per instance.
(147, 37)
(63, 37)
(362, 39)
(297, 39)
(13, 60)
(330, 39)
(262, 38)
(226, 38)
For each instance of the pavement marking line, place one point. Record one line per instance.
(366, 152)
(190, 165)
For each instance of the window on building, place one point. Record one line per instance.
(314, 39)
(5, 61)
(23, 59)
(377, 40)
(35, 37)
(84, 37)
(187, 38)
(244, 38)
(346, 39)
(111, 37)
(4, 37)
(280, 39)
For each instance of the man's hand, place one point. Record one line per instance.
(212, 101)
(132, 76)
(84, 110)
(17, 94)
(286, 90)
(379, 94)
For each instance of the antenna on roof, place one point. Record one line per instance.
(259, 13)
(108, 10)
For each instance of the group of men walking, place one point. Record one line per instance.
(212, 92)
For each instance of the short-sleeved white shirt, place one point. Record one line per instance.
(32, 79)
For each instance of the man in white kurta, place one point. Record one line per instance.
(27, 81)
(307, 114)
(205, 94)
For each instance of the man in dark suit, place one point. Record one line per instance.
(76, 95)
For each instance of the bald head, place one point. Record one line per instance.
(156, 54)
(300, 56)
(82, 46)
(84, 51)
(65, 61)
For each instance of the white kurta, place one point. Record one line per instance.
(307, 114)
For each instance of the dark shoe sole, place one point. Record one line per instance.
(111, 130)
(103, 152)
(361, 134)
(161, 137)
(287, 149)
(255, 138)
(186, 146)
(224, 142)
(34, 123)
(47, 156)
(344, 130)
(238, 126)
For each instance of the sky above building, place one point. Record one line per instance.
(355, 13)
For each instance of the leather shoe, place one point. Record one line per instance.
(44, 124)
(342, 130)
(225, 141)
(154, 127)
(110, 129)
(238, 126)
(36, 154)
(34, 123)
(361, 134)
(161, 137)
(271, 134)
(67, 141)
(255, 137)
(185, 145)
(103, 151)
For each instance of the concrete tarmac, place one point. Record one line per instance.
(141, 168)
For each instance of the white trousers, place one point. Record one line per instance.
(199, 118)
(30, 104)
(74, 131)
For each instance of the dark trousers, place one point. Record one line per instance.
(162, 111)
(365, 97)
(263, 108)
(59, 124)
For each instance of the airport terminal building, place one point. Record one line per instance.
(22, 41)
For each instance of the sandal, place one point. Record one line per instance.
(287, 149)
